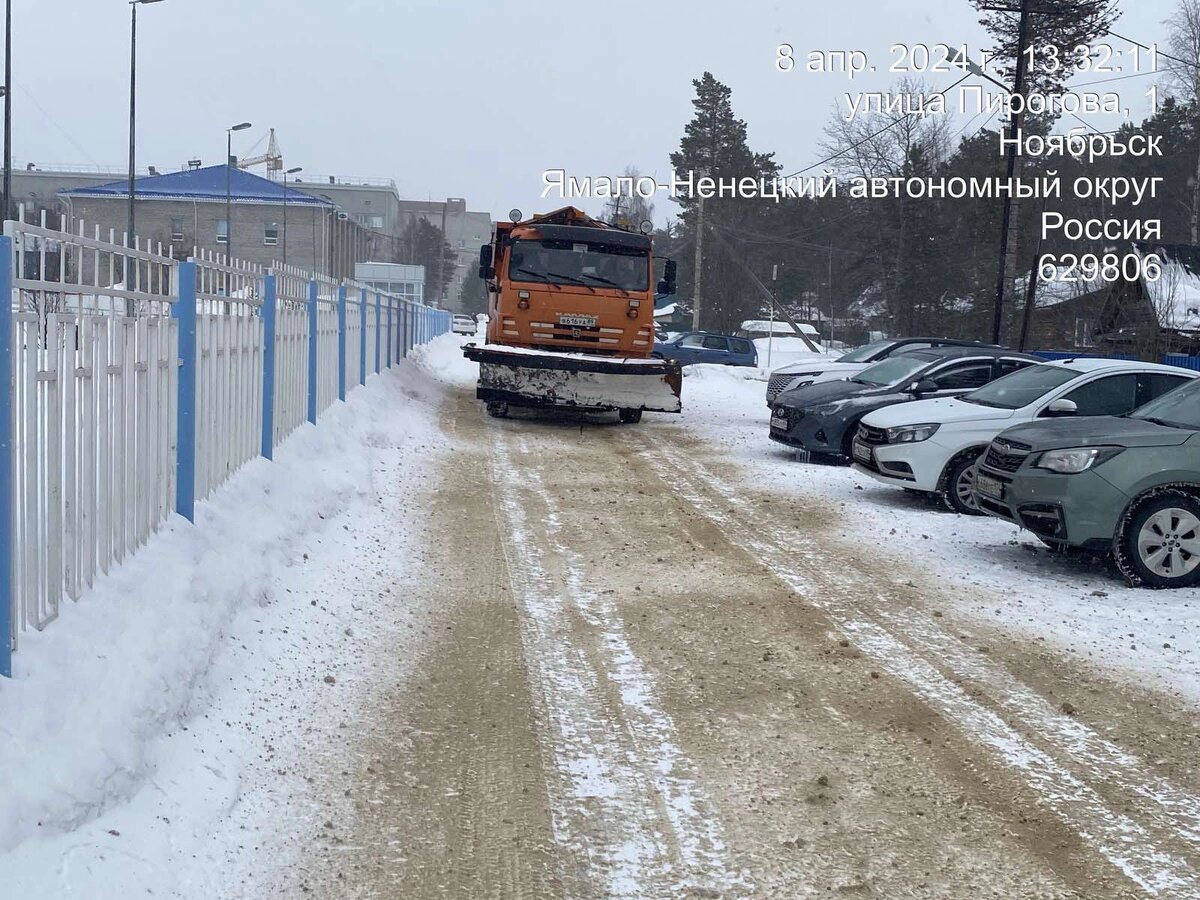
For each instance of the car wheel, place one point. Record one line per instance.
(497, 409)
(630, 416)
(1158, 544)
(958, 484)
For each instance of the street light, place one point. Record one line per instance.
(129, 226)
(286, 173)
(7, 109)
(228, 197)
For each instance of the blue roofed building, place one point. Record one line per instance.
(186, 211)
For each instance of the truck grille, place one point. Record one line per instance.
(1006, 456)
(869, 435)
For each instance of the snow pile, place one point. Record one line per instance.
(162, 711)
(442, 358)
(788, 350)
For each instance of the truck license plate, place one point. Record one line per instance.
(779, 423)
(862, 452)
(992, 487)
(577, 321)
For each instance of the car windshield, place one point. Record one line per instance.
(864, 354)
(1179, 408)
(895, 370)
(596, 265)
(1021, 387)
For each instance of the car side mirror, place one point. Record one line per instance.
(924, 386)
(1061, 407)
(486, 269)
(667, 285)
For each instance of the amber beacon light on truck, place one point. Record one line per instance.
(571, 318)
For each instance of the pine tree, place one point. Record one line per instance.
(714, 144)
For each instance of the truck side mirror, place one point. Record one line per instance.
(667, 285)
(485, 262)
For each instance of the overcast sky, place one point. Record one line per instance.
(471, 99)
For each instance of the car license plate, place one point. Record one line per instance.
(992, 487)
(862, 452)
(779, 423)
(577, 321)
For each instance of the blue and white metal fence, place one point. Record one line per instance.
(111, 422)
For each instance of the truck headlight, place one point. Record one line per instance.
(1074, 460)
(911, 434)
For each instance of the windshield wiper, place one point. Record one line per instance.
(571, 279)
(608, 281)
(982, 403)
(540, 276)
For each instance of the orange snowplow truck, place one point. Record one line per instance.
(571, 318)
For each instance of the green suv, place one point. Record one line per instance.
(1129, 484)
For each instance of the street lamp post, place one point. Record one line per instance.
(129, 226)
(7, 110)
(228, 187)
(286, 173)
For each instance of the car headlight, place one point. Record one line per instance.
(1074, 460)
(911, 434)
(802, 381)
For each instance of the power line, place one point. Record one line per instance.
(872, 136)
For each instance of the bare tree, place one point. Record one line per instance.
(1183, 80)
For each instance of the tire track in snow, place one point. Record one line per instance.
(629, 805)
(1125, 843)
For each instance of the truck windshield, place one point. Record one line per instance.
(1179, 408)
(576, 262)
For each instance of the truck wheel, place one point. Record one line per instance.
(958, 490)
(630, 416)
(497, 409)
(1158, 544)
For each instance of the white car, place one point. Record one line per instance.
(461, 324)
(799, 374)
(932, 445)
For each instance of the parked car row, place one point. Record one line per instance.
(1097, 454)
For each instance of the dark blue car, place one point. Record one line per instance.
(707, 347)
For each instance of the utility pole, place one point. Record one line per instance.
(7, 109)
(698, 276)
(1007, 226)
(774, 301)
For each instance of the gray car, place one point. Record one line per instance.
(1126, 484)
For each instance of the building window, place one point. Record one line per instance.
(176, 231)
(271, 234)
(222, 231)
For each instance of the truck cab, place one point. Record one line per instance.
(567, 282)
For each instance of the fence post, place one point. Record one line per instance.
(389, 333)
(378, 322)
(184, 309)
(312, 351)
(267, 311)
(342, 342)
(7, 462)
(362, 338)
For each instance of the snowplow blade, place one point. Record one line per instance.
(522, 377)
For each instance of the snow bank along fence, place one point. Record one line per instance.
(132, 385)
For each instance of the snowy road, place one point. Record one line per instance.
(647, 678)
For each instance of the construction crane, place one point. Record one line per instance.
(273, 157)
